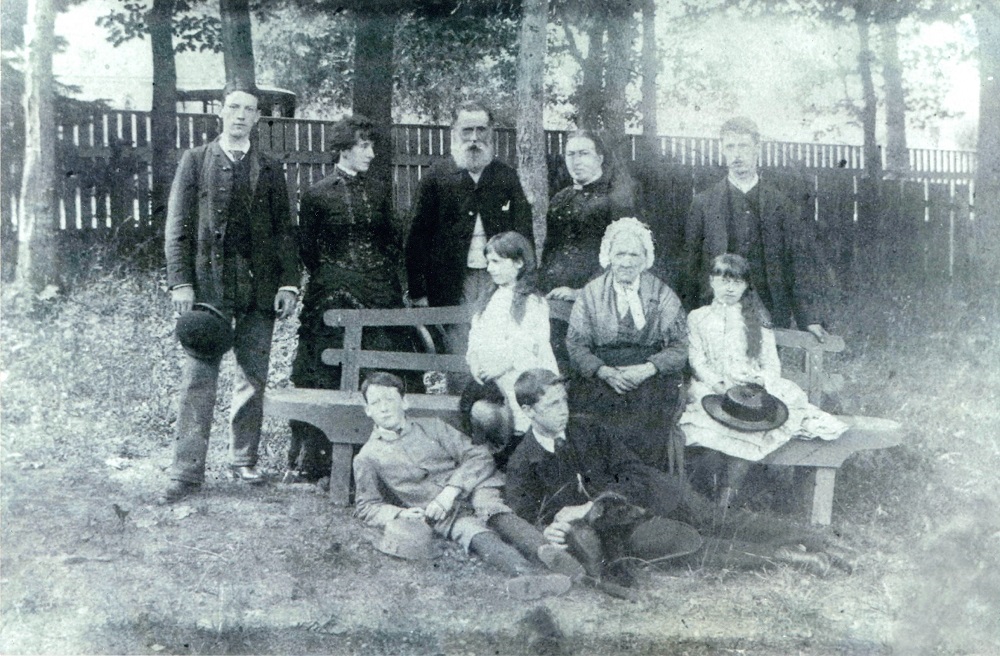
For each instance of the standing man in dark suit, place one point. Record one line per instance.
(229, 246)
(460, 204)
(746, 215)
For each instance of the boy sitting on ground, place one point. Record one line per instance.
(426, 469)
(595, 498)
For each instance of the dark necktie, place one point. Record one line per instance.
(237, 155)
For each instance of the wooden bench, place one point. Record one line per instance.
(340, 415)
(821, 456)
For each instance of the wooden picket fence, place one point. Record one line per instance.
(104, 179)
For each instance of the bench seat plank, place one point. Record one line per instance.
(865, 433)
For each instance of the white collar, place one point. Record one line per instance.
(745, 186)
(546, 442)
(228, 145)
(352, 174)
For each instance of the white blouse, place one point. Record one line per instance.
(498, 343)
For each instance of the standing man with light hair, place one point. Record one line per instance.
(230, 249)
(749, 216)
(460, 204)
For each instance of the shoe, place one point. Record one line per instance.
(536, 586)
(292, 476)
(559, 561)
(815, 563)
(248, 475)
(177, 490)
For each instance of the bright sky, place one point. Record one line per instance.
(763, 60)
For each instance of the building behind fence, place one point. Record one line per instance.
(104, 179)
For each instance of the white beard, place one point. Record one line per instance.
(471, 160)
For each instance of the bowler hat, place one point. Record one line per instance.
(411, 539)
(205, 332)
(746, 407)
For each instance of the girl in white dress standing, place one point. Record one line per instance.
(732, 344)
(509, 335)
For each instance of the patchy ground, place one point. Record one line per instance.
(90, 564)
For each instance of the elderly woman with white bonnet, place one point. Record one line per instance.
(627, 344)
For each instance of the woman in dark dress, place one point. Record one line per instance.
(351, 253)
(577, 218)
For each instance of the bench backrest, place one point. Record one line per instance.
(352, 358)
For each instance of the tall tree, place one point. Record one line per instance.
(532, 168)
(36, 261)
(618, 72)
(163, 136)
(987, 200)
(374, 66)
(237, 41)
(650, 68)
(897, 156)
(869, 184)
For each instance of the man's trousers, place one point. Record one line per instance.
(252, 349)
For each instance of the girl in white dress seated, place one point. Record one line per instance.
(732, 345)
(509, 335)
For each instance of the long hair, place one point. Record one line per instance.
(513, 246)
(755, 315)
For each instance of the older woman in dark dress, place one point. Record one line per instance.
(627, 344)
(351, 251)
(575, 224)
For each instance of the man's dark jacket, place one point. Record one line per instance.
(540, 483)
(786, 240)
(444, 217)
(196, 246)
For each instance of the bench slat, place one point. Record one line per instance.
(807, 341)
(865, 433)
(452, 314)
(397, 360)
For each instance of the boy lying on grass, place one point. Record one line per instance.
(425, 469)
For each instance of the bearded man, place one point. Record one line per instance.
(460, 204)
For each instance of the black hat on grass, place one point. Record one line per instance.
(204, 332)
(746, 408)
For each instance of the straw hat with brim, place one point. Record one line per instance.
(411, 539)
(746, 408)
(204, 332)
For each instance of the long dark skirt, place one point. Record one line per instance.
(640, 419)
(309, 451)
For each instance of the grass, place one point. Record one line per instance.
(89, 384)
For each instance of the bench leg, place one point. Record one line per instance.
(822, 496)
(341, 456)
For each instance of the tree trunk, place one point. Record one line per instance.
(590, 95)
(896, 154)
(531, 164)
(373, 70)
(650, 69)
(163, 136)
(237, 41)
(37, 264)
(617, 74)
(619, 56)
(986, 229)
(869, 116)
(869, 183)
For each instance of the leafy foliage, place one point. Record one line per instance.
(194, 28)
(308, 53)
(442, 61)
